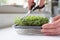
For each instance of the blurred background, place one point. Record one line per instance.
(55, 7)
(10, 9)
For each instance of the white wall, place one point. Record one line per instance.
(10, 8)
(8, 19)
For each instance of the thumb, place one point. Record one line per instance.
(56, 23)
(56, 18)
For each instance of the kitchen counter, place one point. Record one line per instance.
(10, 34)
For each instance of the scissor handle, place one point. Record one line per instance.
(37, 7)
(33, 5)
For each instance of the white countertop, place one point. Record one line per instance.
(10, 34)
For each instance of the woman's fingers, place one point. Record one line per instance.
(47, 26)
(51, 34)
(41, 3)
(48, 30)
(55, 24)
(52, 28)
(30, 3)
(51, 31)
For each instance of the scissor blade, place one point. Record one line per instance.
(27, 14)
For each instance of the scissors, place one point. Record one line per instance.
(33, 8)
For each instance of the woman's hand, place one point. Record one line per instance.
(52, 28)
(30, 3)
